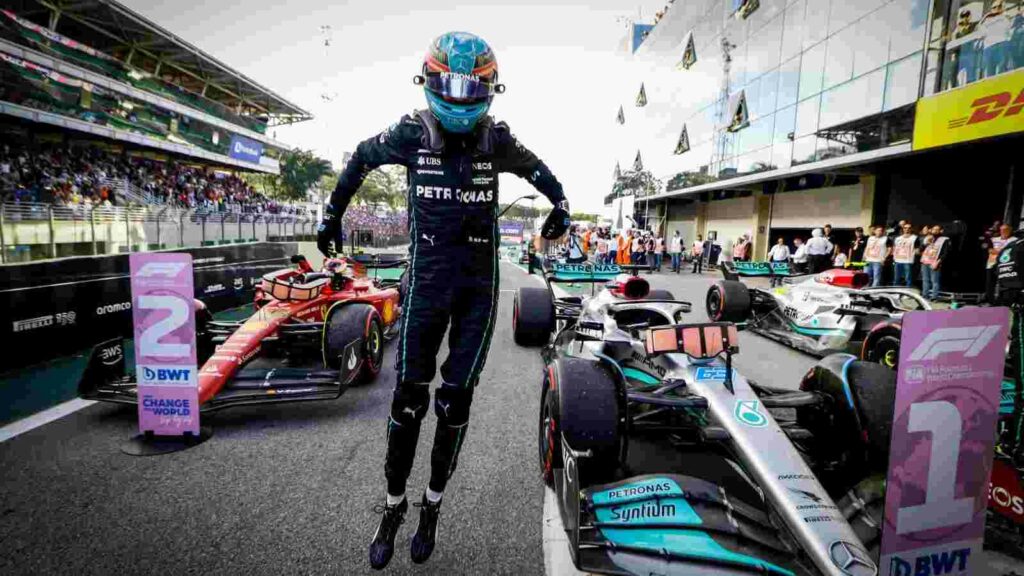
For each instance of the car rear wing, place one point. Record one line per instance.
(734, 270)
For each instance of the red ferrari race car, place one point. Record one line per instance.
(314, 333)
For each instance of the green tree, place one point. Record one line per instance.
(583, 217)
(385, 186)
(301, 170)
(639, 182)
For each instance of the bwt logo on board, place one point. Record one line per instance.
(936, 564)
(166, 374)
(991, 107)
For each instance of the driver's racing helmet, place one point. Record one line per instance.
(460, 76)
(335, 265)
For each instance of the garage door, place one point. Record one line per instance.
(682, 217)
(731, 218)
(839, 206)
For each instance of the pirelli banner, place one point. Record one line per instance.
(983, 109)
(58, 307)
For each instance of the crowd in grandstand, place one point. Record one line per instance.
(91, 176)
(383, 225)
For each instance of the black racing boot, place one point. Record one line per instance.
(426, 534)
(383, 545)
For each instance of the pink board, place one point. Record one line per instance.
(944, 431)
(165, 343)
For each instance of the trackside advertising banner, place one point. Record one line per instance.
(165, 343)
(944, 430)
(511, 232)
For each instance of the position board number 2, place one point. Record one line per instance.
(941, 508)
(150, 344)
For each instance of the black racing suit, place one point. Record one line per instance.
(453, 229)
(1010, 292)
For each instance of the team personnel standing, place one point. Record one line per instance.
(876, 251)
(698, 255)
(779, 254)
(799, 256)
(931, 263)
(819, 251)
(994, 246)
(676, 250)
(602, 247)
(904, 250)
(454, 152)
(857, 246)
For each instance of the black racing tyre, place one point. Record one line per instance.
(533, 317)
(580, 402)
(346, 323)
(885, 351)
(728, 301)
(660, 295)
(856, 436)
(204, 340)
(403, 286)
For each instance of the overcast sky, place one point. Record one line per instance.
(556, 59)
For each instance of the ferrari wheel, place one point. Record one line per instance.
(355, 330)
(728, 301)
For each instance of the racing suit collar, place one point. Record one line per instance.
(433, 137)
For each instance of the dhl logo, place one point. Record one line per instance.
(991, 107)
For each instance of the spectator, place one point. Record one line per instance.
(602, 247)
(876, 252)
(659, 251)
(994, 246)
(904, 250)
(779, 254)
(857, 246)
(648, 250)
(931, 263)
(800, 256)
(574, 249)
(637, 248)
(698, 255)
(676, 250)
(819, 251)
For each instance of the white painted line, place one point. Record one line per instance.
(41, 418)
(557, 559)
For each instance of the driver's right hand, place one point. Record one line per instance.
(328, 234)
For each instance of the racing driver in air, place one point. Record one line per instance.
(454, 152)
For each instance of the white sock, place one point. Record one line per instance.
(434, 497)
(395, 500)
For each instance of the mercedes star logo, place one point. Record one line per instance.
(851, 559)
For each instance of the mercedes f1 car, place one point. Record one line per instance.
(666, 460)
(313, 334)
(833, 311)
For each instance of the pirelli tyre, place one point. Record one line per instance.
(533, 317)
(728, 301)
(580, 403)
(660, 295)
(852, 428)
(348, 323)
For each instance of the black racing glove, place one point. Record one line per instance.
(328, 234)
(557, 221)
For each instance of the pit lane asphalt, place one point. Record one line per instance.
(289, 489)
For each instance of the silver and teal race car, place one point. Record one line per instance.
(666, 460)
(833, 311)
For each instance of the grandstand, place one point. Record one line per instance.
(102, 108)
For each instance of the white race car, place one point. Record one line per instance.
(832, 311)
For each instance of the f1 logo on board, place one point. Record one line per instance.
(934, 564)
(991, 107)
(970, 340)
(167, 269)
